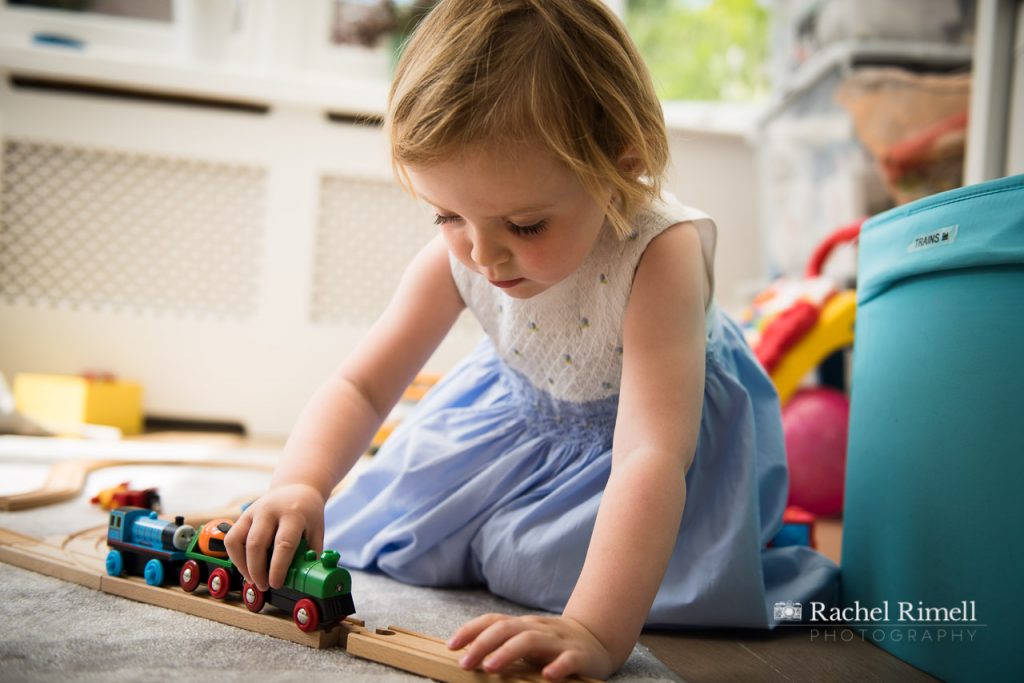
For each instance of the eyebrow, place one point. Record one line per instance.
(525, 209)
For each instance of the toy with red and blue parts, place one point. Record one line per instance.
(123, 495)
(316, 592)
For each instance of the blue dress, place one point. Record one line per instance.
(496, 477)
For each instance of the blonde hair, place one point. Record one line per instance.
(563, 73)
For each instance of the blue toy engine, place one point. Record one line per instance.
(142, 527)
(143, 544)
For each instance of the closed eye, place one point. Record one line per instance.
(514, 228)
(441, 219)
(527, 230)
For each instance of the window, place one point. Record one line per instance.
(703, 49)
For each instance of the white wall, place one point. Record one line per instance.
(715, 167)
(717, 173)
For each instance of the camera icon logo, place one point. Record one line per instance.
(788, 611)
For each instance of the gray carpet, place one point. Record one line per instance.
(58, 631)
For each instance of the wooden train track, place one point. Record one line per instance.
(430, 657)
(66, 478)
(79, 558)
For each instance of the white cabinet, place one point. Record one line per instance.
(222, 234)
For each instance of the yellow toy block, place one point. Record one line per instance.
(69, 399)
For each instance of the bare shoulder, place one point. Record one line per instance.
(672, 267)
(428, 279)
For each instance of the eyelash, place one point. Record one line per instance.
(528, 230)
(519, 230)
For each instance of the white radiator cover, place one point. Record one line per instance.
(227, 260)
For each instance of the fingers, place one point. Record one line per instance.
(488, 638)
(566, 664)
(289, 531)
(248, 544)
(501, 640)
(277, 520)
(261, 535)
(526, 644)
(471, 629)
(234, 543)
(496, 641)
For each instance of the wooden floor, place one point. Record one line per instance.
(790, 654)
(756, 656)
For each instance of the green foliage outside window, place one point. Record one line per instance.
(703, 49)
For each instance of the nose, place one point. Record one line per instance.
(487, 251)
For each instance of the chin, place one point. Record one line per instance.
(522, 295)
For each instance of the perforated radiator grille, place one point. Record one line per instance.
(96, 229)
(366, 235)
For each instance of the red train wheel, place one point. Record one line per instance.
(190, 576)
(219, 583)
(253, 597)
(306, 616)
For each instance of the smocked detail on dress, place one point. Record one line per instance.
(588, 421)
(568, 340)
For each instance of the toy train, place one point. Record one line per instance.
(317, 592)
(122, 495)
(143, 544)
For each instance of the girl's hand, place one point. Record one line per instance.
(563, 645)
(276, 520)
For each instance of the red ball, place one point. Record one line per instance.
(816, 423)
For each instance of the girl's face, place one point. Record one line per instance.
(516, 216)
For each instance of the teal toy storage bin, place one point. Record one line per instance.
(934, 508)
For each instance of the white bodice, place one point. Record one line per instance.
(567, 340)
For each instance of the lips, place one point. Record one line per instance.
(505, 284)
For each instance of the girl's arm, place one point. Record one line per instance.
(655, 441)
(641, 510)
(339, 421)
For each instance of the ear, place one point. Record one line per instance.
(631, 163)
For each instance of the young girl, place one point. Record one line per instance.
(612, 452)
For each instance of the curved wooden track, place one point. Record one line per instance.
(67, 477)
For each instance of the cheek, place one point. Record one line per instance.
(543, 262)
(457, 243)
